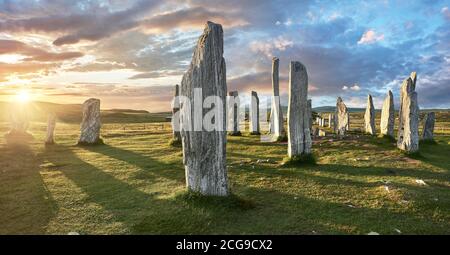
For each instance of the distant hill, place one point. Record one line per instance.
(333, 108)
(72, 113)
(328, 109)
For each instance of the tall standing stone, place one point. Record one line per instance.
(254, 114)
(342, 118)
(387, 116)
(90, 124)
(176, 135)
(51, 123)
(276, 113)
(369, 117)
(233, 119)
(310, 114)
(330, 120)
(299, 133)
(408, 129)
(428, 126)
(204, 151)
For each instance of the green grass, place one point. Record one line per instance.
(134, 184)
(300, 160)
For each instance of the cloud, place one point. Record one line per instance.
(33, 53)
(92, 26)
(190, 18)
(355, 87)
(370, 36)
(25, 68)
(156, 74)
(270, 47)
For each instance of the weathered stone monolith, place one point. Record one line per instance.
(408, 129)
(369, 117)
(299, 134)
(254, 114)
(276, 113)
(204, 150)
(233, 118)
(330, 120)
(341, 118)
(176, 135)
(428, 126)
(310, 114)
(51, 123)
(387, 116)
(90, 124)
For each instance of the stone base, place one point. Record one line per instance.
(255, 133)
(98, 142)
(238, 133)
(299, 160)
(281, 139)
(175, 143)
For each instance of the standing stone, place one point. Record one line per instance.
(428, 126)
(330, 120)
(299, 134)
(204, 151)
(254, 114)
(310, 114)
(315, 131)
(276, 114)
(342, 119)
(387, 116)
(176, 135)
(408, 129)
(90, 124)
(51, 123)
(369, 117)
(234, 113)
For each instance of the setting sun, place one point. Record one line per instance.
(23, 96)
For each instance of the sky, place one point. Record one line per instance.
(131, 53)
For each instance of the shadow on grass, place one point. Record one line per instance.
(436, 154)
(26, 204)
(147, 164)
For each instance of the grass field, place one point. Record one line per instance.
(135, 185)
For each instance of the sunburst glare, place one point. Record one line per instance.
(23, 96)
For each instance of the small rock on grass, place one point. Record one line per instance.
(373, 234)
(421, 182)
